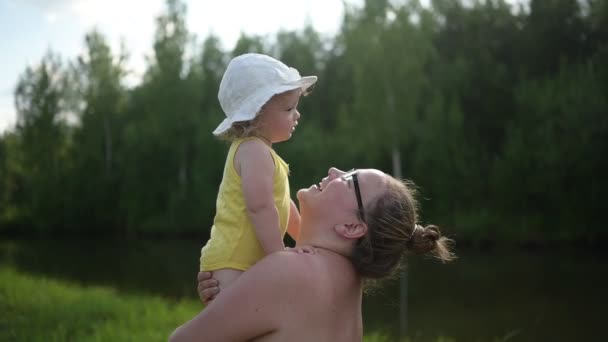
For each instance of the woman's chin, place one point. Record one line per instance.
(299, 194)
(302, 194)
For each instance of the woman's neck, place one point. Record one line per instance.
(315, 238)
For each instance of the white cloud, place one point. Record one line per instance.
(228, 18)
(48, 5)
(116, 15)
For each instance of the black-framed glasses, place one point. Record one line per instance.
(353, 175)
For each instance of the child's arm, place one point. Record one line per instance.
(256, 167)
(293, 226)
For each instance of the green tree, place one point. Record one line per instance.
(42, 142)
(160, 134)
(96, 152)
(388, 55)
(12, 195)
(208, 152)
(556, 33)
(247, 43)
(553, 158)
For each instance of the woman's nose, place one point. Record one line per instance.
(298, 115)
(333, 173)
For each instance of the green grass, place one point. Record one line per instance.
(381, 337)
(40, 309)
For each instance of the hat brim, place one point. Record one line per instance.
(303, 83)
(227, 123)
(223, 127)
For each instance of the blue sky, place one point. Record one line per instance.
(29, 28)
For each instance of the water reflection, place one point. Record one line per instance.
(163, 267)
(514, 295)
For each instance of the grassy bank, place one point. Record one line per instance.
(39, 309)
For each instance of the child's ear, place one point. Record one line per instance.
(351, 231)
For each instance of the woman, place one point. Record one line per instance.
(361, 224)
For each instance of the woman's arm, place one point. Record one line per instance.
(248, 309)
(293, 226)
(208, 287)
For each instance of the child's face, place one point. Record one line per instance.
(280, 116)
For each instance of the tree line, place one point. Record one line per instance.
(499, 113)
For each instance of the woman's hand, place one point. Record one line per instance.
(208, 287)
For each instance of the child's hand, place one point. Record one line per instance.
(304, 249)
(208, 287)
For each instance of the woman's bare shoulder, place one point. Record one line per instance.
(285, 262)
(287, 267)
(302, 270)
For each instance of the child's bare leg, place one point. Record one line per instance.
(226, 277)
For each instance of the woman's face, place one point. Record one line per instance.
(335, 197)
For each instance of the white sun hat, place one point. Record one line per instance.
(250, 81)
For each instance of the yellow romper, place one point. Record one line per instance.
(233, 242)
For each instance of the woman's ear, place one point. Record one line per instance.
(351, 231)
